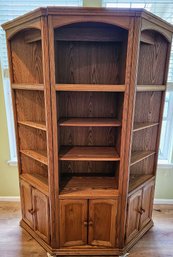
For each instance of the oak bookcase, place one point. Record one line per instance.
(88, 88)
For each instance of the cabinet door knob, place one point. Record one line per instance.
(90, 223)
(85, 223)
(31, 211)
(143, 210)
(140, 211)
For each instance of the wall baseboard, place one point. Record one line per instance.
(163, 201)
(9, 198)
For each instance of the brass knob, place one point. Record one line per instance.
(139, 211)
(90, 223)
(85, 223)
(31, 211)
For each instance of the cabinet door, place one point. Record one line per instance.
(73, 222)
(147, 204)
(26, 201)
(133, 215)
(41, 214)
(102, 222)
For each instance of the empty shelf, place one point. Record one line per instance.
(36, 180)
(140, 155)
(28, 86)
(90, 87)
(88, 186)
(84, 153)
(38, 124)
(141, 88)
(89, 122)
(40, 156)
(144, 125)
(138, 180)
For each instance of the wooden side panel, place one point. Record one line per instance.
(147, 204)
(152, 60)
(26, 57)
(73, 222)
(26, 201)
(133, 215)
(102, 222)
(41, 215)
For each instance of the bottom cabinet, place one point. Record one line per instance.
(35, 210)
(102, 222)
(139, 211)
(41, 214)
(73, 225)
(26, 202)
(133, 215)
(147, 204)
(90, 222)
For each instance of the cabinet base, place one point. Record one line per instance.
(52, 252)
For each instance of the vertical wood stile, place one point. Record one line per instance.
(47, 96)
(128, 114)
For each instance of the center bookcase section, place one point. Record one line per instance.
(90, 53)
(26, 52)
(89, 127)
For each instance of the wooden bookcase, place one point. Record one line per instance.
(88, 88)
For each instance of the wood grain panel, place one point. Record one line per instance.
(91, 136)
(89, 167)
(41, 214)
(30, 105)
(26, 201)
(31, 138)
(89, 62)
(133, 215)
(147, 107)
(152, 60)
(26, 57)
(102, 222)
(89, 105)
(73, 225)
(145, 140)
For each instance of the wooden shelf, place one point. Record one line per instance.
(38, 124)
(138, 180)
(143, 88)
(89, 122)
(140, 155)
(144, 125)
(28, 86)
(36, 180)
(90, 87)
(40, 156)
(90, 153)
(88, 186)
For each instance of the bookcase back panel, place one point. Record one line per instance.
(152, 58)
(90, 53)
(32, 139)
(147, 106)
(89, 136)
(89, 168)
(145, 140)
(30, 105)
(145, 167)
(26, 55)
(31, 166)
(89, 104)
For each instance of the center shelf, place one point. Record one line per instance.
(88, 186)
(40, 156)
(84, 153)
(89, 122)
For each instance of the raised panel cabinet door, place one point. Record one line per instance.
(102, 222)
(41, 214)
(73, 222)
(133, 215)
(26, 202)
(147, 204)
